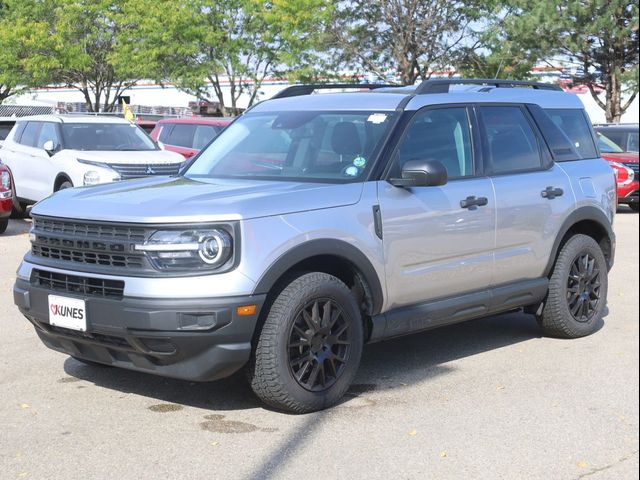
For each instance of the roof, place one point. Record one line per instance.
(219, 121)
(617, 126)
(75, 119)
(391, 98)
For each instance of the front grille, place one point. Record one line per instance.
(90, 258)
(128, 171)
(634, 167)
(89, 286)
(78, 229)
(90, 244)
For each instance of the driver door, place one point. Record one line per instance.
(435, 247)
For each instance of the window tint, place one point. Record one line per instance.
(632, 142)
(47, 132)
(440, 134)
(30, 134)
(512, 143)
(181, 135)
(105, 137)
(203, 135)
(575, 126)
(5, 128)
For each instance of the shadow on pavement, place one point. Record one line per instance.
(408, 360)
(17, 226)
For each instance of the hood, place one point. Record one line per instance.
(627, 157)
(182, 200)
(131, 157)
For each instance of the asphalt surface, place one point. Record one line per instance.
(485, 399)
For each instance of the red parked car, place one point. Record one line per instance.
(625, 165)
(6, 197)
(189, 135)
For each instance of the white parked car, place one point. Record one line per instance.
(47, 153)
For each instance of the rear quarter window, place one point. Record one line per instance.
(575, 125)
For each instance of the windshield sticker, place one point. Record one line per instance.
(377, 118)
(352, 171)
(360, 161)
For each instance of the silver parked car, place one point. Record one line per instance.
(317, 223)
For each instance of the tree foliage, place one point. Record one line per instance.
(600, 37)
(409, 37)
(199, 45)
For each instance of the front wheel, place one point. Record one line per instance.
(309, 348)
(577, 290)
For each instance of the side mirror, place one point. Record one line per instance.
(50, 147)
(421, 173)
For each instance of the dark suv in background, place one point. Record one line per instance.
(625, 135)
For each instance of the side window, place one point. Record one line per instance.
(203, 135)
(574, 125)
(164, 132)
(181, 135)
(632, 142)
(512, 144)
(30, 134)
(48, 132)
(441, 134)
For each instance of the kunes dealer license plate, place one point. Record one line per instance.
(67, 313)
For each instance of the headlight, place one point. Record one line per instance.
(91, 178)
(189, 249)
(94, 174)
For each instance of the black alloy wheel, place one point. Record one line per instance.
(319, 345)
(583, 287)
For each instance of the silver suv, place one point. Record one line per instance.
(317, 223)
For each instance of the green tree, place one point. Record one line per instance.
(409, 37)
(201, 45)
(23, 41)
(75, 43)
(600, 37)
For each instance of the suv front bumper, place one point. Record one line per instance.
(190, 339)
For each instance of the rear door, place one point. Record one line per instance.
(22, 158)
(434, 246)
(533, 194)
(178, 137)
(46, 168)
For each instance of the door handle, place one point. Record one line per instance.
(472, 202)
(551, 192)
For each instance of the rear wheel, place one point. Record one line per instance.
(19, 209)
(634, 206)
(4, 222)
(577, 290)
(309, 349)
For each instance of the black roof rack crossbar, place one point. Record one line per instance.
(308, 89)
(441, 85)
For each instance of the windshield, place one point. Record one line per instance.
(312, 146)
(105, 136)
(608, 146)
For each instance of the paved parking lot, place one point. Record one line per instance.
(485, 399)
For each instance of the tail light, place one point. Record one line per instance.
(624, 175)
(5, 184)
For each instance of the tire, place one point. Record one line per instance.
(4, 222)
(63, 185)
(19, 209)
(324, 358)
(90, 363)
(634, 206)
(576, 311)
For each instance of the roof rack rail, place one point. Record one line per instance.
(308, 89)
(441, 85)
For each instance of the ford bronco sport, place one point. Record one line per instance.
(317, 223)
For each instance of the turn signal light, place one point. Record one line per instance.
(246, 310)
